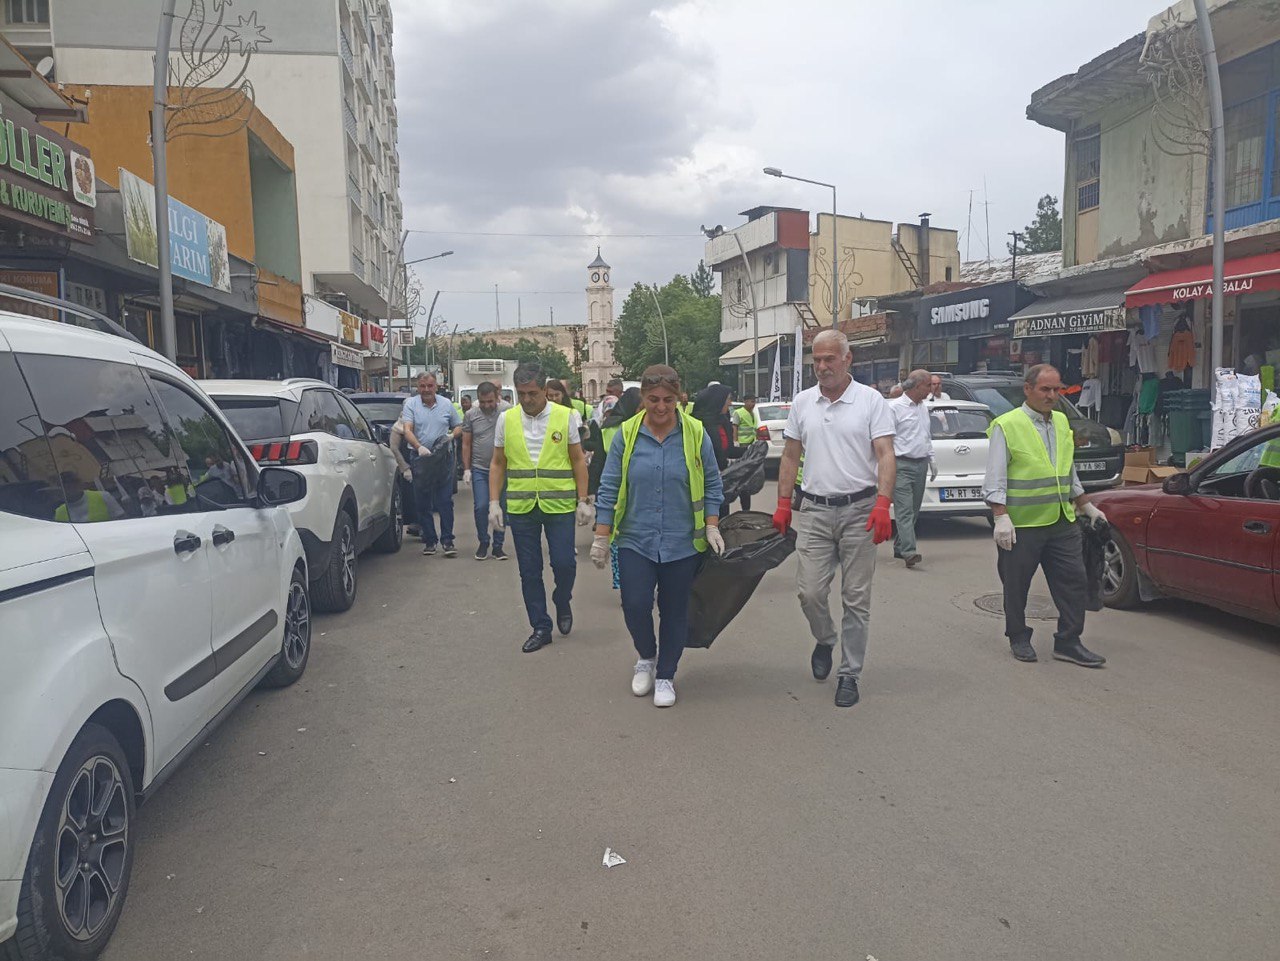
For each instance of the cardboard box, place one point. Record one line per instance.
(1142, 457)
(1149, 474)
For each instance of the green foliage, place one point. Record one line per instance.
(703, 280)
(1044, 234)
(553, 361)
(693, 331)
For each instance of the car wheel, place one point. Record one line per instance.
(1119, 575)
(335, 590)
(295, 648)
(389, 541)
(78, 869)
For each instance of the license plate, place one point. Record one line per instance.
(1092, 465)
(961, 494)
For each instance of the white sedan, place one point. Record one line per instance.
(960, 452)
(772, 418)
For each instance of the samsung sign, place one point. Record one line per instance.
(954, 313)
(973, 312)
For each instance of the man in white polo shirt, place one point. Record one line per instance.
(913, 451)
(845, 431)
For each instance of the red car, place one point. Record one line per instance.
(1211, 535)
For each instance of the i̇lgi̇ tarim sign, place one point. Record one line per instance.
(46, 181)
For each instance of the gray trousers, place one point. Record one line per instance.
(908, 495)
(1059, 549)
(827, 537)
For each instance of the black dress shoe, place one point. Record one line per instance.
(564, 622)
(1023, 650)
(846, 691)
(1077, 653)
(820, 661)
(536, 642)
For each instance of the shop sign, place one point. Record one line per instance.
(974, 312)
(1084, 322)
(95, 298)
(954, 313)
(346, 356)
(350, 327)
(45, 180)
(38, 282)
(197, 244)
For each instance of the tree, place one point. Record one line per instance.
(693, 331)
(703, 280)
(1044, 234)
(552, 360)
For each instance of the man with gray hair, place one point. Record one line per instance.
(913, 454)
(845, 431)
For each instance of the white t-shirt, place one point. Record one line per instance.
(941, 396)
(913, 428)
(837, 436)
(535, 429)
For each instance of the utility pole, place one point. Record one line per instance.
(519, 314)
(160, 162)
(497, 314)
(1015, 235)
(553, 315)
(1218, 165)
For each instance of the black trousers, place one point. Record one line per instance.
(1060, 551)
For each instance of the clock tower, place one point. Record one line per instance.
(600, 365)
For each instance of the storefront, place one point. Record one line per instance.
(967, 331)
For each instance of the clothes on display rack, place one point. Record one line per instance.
(1149, 316)
(1148, 394)
(1142, 352)
(1182, 348)
(1089, 359)
(1090, 395)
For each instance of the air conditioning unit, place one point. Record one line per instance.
(485, 366)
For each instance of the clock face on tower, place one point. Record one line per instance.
(606, 276)
(595, 276)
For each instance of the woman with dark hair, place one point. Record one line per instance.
(621, 412)
(711, 407)
(557, 394)
(659, 502)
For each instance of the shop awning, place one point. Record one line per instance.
(1085, 312)
(743, 353)
(1243, 276)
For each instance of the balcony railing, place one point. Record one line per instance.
(349, 123)
(344, 50)
(357, 263)
(377, 276)
(353, 191)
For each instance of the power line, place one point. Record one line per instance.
(487, 233)
(491, 291)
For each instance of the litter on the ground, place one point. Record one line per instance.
(262, 754)
(612, 858)
(302, 730)
(453, 780)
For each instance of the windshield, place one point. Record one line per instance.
(1001, 400)
(377, 410)
(773, 411)
(258, 418)
(951, 423)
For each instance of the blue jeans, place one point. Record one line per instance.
(432, 497)
(480, 508)
(674, 583)
(526, 531)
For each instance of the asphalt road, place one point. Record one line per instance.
(429, 792)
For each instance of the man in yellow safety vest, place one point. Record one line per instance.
(1034, 494)
(537, 457)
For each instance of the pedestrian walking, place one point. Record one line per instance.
(400, 450)
(1035, 495)
(537, 457)
(612, 391)
(711, 409)
(745, 423)
(478, 429)
(661, 524)
(628, 406)
(936, 393)
(431, 424)
(844, 430)
(913, 454)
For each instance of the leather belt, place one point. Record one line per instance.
(838, 500)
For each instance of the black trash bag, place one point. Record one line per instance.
(1095, 560)
(745, 476)
(724, 584)
(431, 470)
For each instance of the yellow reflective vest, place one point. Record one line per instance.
(1038, 494)
(691, 432)
(548, 485)
(748, 421)
(97, 509)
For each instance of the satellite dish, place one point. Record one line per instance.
(45, 67)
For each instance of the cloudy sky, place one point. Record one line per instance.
(629, 123)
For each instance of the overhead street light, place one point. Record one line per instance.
(447, 253)
(717, 231)
(835, 246)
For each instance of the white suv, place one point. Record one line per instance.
(352, 501)
(149, 579)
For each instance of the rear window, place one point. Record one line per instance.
(773, 411)
(259, 418)
(378, 411)
(1001, 400)
(951, 423)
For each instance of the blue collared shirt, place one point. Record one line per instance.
(659, 521)
(430, 423)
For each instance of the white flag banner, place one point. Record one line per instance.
(797, 373)
(775, 385)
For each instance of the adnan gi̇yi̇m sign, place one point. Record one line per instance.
(46, 180)
(197, 244)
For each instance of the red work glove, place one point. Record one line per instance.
(878, 523)
(782, 516)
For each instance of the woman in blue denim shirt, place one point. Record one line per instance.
(659, 499)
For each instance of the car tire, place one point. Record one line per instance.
(295, 646)
(1120, 575)
(335, 589)
(390, 540)
(92, 798)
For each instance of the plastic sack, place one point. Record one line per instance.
(1094, 544)
(723, 586)
(745, 476)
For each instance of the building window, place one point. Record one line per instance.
(1251, 94)
(27, 11)
(1088, 150)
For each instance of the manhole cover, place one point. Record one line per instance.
(1039, 607)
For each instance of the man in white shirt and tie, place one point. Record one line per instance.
(913, 453)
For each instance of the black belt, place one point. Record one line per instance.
(839, 500)
(905, 457)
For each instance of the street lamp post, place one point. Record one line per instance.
(717, 231)
(835, 244)
(666, 353)
(404, 287)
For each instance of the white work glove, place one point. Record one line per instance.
(933, 471)
(600, 550)
(714, 540)
(466, 477)
(423, 451)
(1004, 532)
(495, 516)
(586, 513)
(1095, 516)
(407, 474)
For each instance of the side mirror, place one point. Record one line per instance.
(1179, 484)
(383, 433)
(280, 485)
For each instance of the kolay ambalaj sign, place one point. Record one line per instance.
(46, 180)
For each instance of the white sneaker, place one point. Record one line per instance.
(664, 693)
(642, 680)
